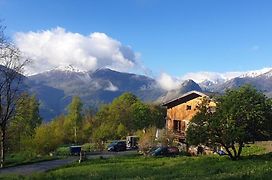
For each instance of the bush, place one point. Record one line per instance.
(89, 147)
(63, 151)
(147, 140)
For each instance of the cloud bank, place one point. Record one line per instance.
(214, 77)
(57, 47)
(168, 82)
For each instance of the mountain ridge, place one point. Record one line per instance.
(55, 88)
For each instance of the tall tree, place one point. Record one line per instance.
(11, 67)
(141, 116)
(74, 117)
(26, 119)
(125, 115)
(242, 115)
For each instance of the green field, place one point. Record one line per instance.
(258, 165)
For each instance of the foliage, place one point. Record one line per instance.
(121, 131)
(241, 115)
(125, 115)
(147, 140)
(73, 121)
(104, 132)
(167, 138)
(87, 125)
(62, 151)
(141, 115)
(45, 139)
(11, 81)
(22, 127)
(90, 147)
(157, 116)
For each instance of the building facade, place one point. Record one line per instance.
(181, 110)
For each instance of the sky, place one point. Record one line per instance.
(168, 40)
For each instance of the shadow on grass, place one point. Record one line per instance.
(260, 157)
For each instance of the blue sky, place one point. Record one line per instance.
(173, 36)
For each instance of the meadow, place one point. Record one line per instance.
(255, 164)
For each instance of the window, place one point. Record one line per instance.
(176, 126)
(188, 107)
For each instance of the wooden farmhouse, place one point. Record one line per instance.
(181, 110)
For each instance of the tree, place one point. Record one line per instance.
(88, 124)
(104, 132)
(127, 114)
(25, 121)
(46, 139)
(242, 115)
(158, 114)
(121, 131)
(11, 67)
(74, 118)
(120, 110)
(110, 116)
(141, 116)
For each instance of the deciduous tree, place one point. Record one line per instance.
(74, 117)
(11, 67)
(242, 115)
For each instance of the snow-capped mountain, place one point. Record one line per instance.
(55, 88)
(268, 74)
(239, 78)
(69, 68)
(185, 86)
(256, 73)
(94, 88)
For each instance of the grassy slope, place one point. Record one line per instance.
(21, 159)
(204, 167)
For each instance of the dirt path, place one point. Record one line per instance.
(37, 167)
(49, 165)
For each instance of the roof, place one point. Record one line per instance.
(184, 98)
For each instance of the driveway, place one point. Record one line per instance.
(49, 165)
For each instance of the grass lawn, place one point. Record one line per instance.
(258, 165)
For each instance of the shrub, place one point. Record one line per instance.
(63, 151)
(147, 140)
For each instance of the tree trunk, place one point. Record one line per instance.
(2, 145)
(240, 150)
(229, 152)
(234, 151)
(75, 135)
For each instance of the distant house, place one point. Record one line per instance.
(181, 110)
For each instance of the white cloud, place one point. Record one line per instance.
(111, 87)
(58, 47)
(167, 82)
(211, 76)
(225, 76)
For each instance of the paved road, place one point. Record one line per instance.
(49, 165)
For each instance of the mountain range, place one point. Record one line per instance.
(55, 88)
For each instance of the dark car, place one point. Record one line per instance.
(165, 151)
(117, 146)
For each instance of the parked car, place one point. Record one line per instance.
(117, 146)
(165, 151)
